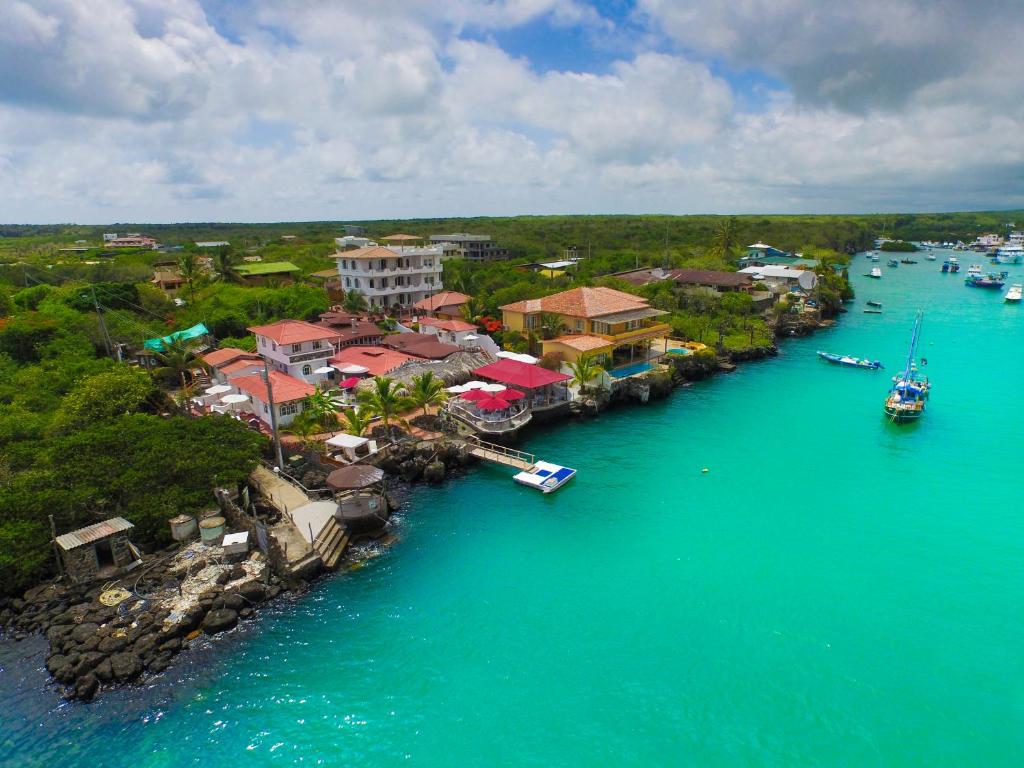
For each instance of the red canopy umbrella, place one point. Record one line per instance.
(475, 394)
(510, 395)
(492, 404)
(350, 382)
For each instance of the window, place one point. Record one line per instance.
(307, 370)
(356, 282)
(274, 344)
(383, 264)
(296, 347)
(579, 326)
(265, 409)
(287, 409)
(348, 282)
(317, 345)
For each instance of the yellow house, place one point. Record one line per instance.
(595, 321)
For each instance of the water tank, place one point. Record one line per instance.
(211, 529)
(183, 527)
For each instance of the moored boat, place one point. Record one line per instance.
(545, 476)
(984, 281)
(873, 303)
(1014, 293)
(850, 362)
(908, 261)
(892, 263)
(875, 273)
(974, 270)
(906, 399)
(872, 311)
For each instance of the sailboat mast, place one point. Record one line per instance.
(913, 345)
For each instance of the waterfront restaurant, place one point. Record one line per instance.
(490, 409)
(545, 390)
(619, 325)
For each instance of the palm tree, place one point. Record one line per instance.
(304, 426)
(387, 398)
(178, 356)
(472, 309)
(356, 421)
(725, 239)
(354, 301)
(427, 390)
(188, 268)
(584, 370)
(224, 265)
(550, 324)
(321, 408)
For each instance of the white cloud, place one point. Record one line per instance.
(157, 110)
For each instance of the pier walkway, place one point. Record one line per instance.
(500, 454)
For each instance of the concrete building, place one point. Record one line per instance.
(393, 276)
(472, 247)
(288, 392)
(349, 242)
(775, 277)
(295, 348)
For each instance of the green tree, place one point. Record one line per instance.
(726, 239)
(320, 406)
(224, 265)
(387, 398)
(305, 426)
(354, 302)
(104, 396)
(188, 268)
(355, 421)
(178, 358)
(736, 303)
(550, 324)
(584, 370)
(427, 390)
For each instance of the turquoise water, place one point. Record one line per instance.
(835, 590)
(630, 370)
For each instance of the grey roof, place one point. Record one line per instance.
(93, 533)
(630, 314)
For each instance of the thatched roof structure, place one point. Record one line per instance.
(457, 368)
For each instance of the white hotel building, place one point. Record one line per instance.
(295, 348)
(392, 275)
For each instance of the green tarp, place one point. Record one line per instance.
(157, 345)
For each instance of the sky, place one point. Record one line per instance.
(285, 110)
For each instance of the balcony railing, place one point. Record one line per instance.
(303, 357)
(495, 423)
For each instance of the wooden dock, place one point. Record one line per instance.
(500, 454)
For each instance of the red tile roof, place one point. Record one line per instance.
(442, 299)
(378, 360)
(240, 365)
(520, 374)
(369, 252)
(220, 357)
(293, 332)
(420, 344)
(455, 326)
(286, 388)
(580, 302)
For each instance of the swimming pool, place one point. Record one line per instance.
(630, 370)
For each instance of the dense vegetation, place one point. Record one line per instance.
(899, 246)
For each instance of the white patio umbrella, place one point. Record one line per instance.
(353, 369)
(217, 389)
(324, 370)
(234, 400)
(458, 389)
(475, 385)
(493, 387)
(507, 355)
(525, 358)
(470, 337)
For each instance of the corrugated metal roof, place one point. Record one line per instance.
(93, 533)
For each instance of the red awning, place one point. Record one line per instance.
(476, 394)
(520, 374)
(492, 404)
(510, 394)
(350, 382)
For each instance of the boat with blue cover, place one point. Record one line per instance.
(851, 362)
(545, 476)
(951, 265)
(906, 399)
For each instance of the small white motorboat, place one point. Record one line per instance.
(1014, 293)
(545, 476)
(875, 273)
(974, 270)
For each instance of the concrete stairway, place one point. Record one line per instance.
(331, 543)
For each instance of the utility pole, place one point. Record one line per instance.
(103, 324)
(273, 415)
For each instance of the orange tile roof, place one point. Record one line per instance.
(286, 388)
(369, 252)
(581, 342)
(220, 357)
(401, 236)
(378, 360)
(293, 331)
(580, 302)
(447, 325)
(241, 364)
(442, 299)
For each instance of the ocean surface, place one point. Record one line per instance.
(835, 590)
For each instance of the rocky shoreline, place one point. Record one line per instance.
(193, 590)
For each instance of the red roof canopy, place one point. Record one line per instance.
(520, 374)
(286, 388)
(293, 331)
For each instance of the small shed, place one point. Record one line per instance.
(100, 549)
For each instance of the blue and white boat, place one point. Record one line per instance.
(545, 476)
(851, 362)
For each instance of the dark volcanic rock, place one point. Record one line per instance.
(434, 472)
(126, 666)
(219, 620)
(112, 644)
(173, 645)
(104, 671)
(83, 632)
(253, 592)
(86, 687)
